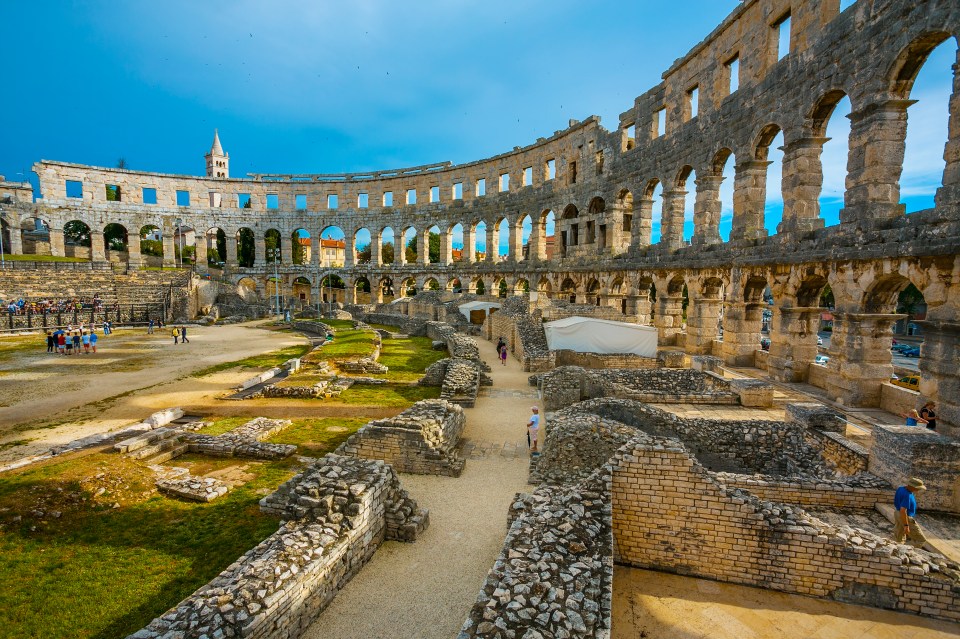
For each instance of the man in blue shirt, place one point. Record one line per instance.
(905, 505)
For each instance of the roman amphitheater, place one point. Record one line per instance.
(735, 453)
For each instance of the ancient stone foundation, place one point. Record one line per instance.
(337, 513)
(421, 440)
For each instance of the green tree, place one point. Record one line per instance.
(386, 253)
(364, 254)
(76, 232)
(122, 163)
(411, 250)
(434, 251)
(271, 241)
(299, 251)
(213, 257)
(113, 193)
(248, 204)
(221, 245)
(909, 301)
(826, 297)
(153, 248)
(115, 237)
(246, 248)
(481, 289)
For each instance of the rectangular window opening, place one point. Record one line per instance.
(388, 198)
(244, 201)
(782, 29)
(481, 187)
(458, 191)
(74, 188)
(504, 182)
(183, 198)
(113, 193)
(629, 136)
(434, 193)
(215, 199)
(300, 202)
(333, 201)
(693, 102)
(733, 74)
(363, 200)
(551, 169)
(273, 201)
(528, 176)
(411, 196)
(660, 122)
(149, 195)
(573, 172)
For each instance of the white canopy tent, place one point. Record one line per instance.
(589, 335)
(477, 306)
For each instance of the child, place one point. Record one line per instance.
(85, 338)
(93, 340)
(503, 354)
(176, 335)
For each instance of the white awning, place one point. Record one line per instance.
(589, 335)
(476, 306)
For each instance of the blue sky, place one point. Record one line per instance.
(335, 86)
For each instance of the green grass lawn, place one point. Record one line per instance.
(103, 572)
(387, 327)
(349, 344)
(388, 395)
(99, 572)
(408, 358)
(266, 360)
(338, 324)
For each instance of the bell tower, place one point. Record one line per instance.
(218, 162)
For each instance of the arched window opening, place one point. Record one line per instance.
(333, 247)
(272, 244)
(387, 246)
(362, 246)
(246, 248)
(300, 246)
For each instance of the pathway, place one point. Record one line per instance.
(426, 589)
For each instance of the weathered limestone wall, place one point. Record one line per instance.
(422, 439)
(704, 529)
(901, 452)
(898, 400)
(825, 493)
(337, 513)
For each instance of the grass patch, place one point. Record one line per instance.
(347, 345)
(338, 324)
(14, 443)
(19, 344)
(223, 425)
(103, 572)
(42, 258)
(265, 360)
(408, 358)
(387, 395)
(318, 436)
(387, 327)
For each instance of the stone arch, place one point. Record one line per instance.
(389, 249)
(151, 242)
(407, 252)
(246, 247)
(455, 236)
(77, 240)
(115, 242)
(568, 290)
(716, 196)
(408, 287)
(544, 286)
(623, 235)
(903, 72)
(249, 284)
(333, 247)
(34, 236)
(527, 237)
(521, 286)
(302, 289)
(363, 245)
(385, 289)
(432, 253)
(454, 285)
(301, 248)
(477, 286)
(431, 284)
(215, 244)
(501, 228)
(363, 291)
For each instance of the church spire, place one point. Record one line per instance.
(218, 162)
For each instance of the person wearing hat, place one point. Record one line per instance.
(905, 505)
(533, 428)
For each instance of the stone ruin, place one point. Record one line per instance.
(335, 516)
(422, 439)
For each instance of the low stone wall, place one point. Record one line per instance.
(203, 489)
(817, 375)
(244, 441)
(461, 383)
(901, 452)
(599, 360)
(898, 400)
(421, 440)
(338, 513)
(554, 576)
(832, 494)
(704, 529)
(459, 346)
(523, 332)
(408, 325)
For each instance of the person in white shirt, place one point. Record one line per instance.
(533, 429)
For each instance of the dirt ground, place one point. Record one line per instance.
(48, 400)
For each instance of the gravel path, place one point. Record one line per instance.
(425, 589)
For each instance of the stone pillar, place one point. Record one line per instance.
(446, 247)
(399, 250)
(134, 257)
(703, 317)
(376, 239)
(97, 247)
(349, 253)
(259, 251)
(57, 248)
(860, 357)
(423, 247)
(877, 141)
(940, 375)
(468, 247)
(169, 248)
(514, 241)
(315, 251)
(793, 342)
(749, 200)
(286, 248)
(741, 332)
(643, 307)
(802, 183)
(230, 262)
(349, 293)
(492, 249)
(642, 222)
(706, 211)
(200, 251)
(669, 318)
(949, 193)
(671, 223)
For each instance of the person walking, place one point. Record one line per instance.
(905, 505)
(176, 335)
(503, 354)
(51, 342)
(533, 430)
(183, 335)
(150, 328)
(93, 340)
(927, 412)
